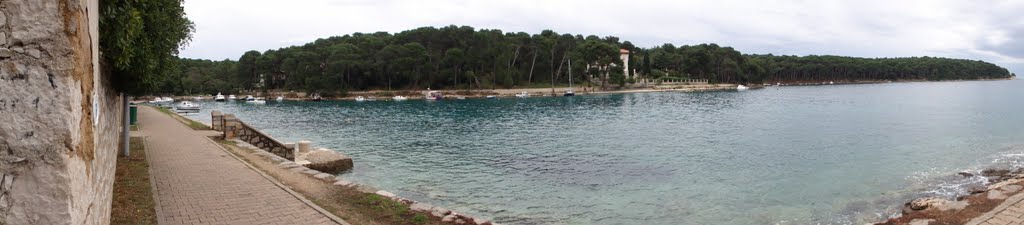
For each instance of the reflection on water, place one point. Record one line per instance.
(793, 155)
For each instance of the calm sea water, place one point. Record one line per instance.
(839, 154)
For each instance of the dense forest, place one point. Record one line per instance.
(455, 57)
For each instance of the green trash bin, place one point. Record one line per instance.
(133, 111)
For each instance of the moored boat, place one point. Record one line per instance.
(232, 97)
(279, 98)
(187, 107)
(741, 87)
(399, 98)
(523, 95)
(219, 98)
(434, 95)
(360, 98)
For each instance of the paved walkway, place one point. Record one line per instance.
(196, 182)
(1011, 211)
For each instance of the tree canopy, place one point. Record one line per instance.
(462, 57)
(139, 42)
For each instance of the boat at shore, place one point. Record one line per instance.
(232, 97)
(433, 95)
(219, 98)
(360, 98)
(491, 97)
(280, 98)
(187, 107)
(523, 95)
(741, 87)
(315, 98)
(399, 98)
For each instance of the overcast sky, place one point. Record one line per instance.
(985, 30)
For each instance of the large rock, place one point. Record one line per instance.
(328, 161)
(420, 207)
(924, 203)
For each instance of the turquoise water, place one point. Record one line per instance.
(837, 154)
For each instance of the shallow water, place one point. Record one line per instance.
(838, 154)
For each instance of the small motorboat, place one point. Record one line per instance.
(460, 97)
(434, 95)
(232, 97)
(569, 93)
(198, 98)
(187, 107)
(219, 98)
(523, 95)
(162, 100)
(360, 99)
(279, 98)
(492, 97)
(254, 100)
(741, 88)
(399, 98)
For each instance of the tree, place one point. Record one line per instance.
(456, 57)
(140, 41)
(247, 70)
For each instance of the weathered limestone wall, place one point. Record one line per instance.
(59, 119)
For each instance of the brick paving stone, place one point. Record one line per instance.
(198, 183)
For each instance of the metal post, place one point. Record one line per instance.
(124, 126)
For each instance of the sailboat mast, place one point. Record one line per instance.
(570, 73)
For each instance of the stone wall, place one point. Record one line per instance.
(59, 119)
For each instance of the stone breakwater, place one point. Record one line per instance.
(978, 199)
(323, 164)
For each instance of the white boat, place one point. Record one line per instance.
(162, 100)
(460, 97)
(830, 82)
(433, 95)
(399, 98)
(316, 98)
(741, 88)
(232, 97)
(492, 97)
(187, 107)
(569, 93)
(255, 100)
(523, 95)
(360, 99)
(279, 98)
(219, 98)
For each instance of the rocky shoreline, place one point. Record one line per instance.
(978, 200)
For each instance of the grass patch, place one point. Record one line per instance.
(188, 122)
(133, 195)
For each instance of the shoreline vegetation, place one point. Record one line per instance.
(466, 58)
(557, 91)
